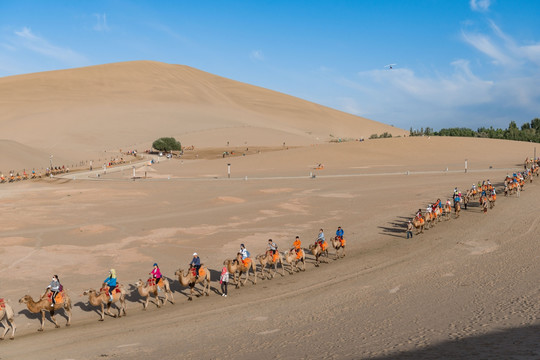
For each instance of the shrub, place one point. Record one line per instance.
(166, 144)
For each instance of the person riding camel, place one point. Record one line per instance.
(110, 282)
(297, 245)
(321, 240)
(55, 287)
(339, 233)
(156, 274)
(245, 254)
(418, 215)
(196, 264)
(272, 248)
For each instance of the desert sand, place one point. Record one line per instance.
(464, 289)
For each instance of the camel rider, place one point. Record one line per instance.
(455, 191)
(156, 274)
(196, 263)
(110, 282)
(245, 254)
(272, 247)
(320, 239)
(339, 233)
(297, 244)
(419, 214)
(55, 287)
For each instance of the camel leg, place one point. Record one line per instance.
(13, 327)
(53, 318)
(67, 309)
(145, 305)
(122, 307)
(102, 313)
(6, 327)
(158, 301)
(109, 304)
(42, 320)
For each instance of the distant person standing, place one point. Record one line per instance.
(224, 280)
(409, 230)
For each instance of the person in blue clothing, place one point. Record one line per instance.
(111, 282)
(196, 263)
(339, 233)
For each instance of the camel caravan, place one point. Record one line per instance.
(113, 294)
(483, 192)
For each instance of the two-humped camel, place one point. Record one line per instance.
(237, 265)
(339, 244)
(6, 318)
(292, 259)
(101, 298)
(268, 259)
(318, 252)
(151, 288)
(44, 305)
(191, 280)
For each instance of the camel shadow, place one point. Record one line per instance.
(87, 307)
(396, 227)
(37, 316)
(133, 295)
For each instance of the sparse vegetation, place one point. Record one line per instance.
(381, 136)
(166, 144)
(529, 131)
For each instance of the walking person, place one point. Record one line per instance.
(224, 280)
(409, 230)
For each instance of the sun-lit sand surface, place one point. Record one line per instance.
(464, 289)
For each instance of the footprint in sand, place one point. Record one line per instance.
(394, 290)
(268, 332)
(260, 318)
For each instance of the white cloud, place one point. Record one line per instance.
(256, 55)
(25, 38)
(480, 5)
(484, 44)
(101, 24)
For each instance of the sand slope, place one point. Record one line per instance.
(130, 104)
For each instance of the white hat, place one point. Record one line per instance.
(194, 254)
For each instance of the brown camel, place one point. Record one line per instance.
(419, 224)
(150, 288)
(291, 259)
(6, 318)
(318, 252)
(237, 265)
(457, 208)
(268, 259)
(101, 298)
(492, 198)
(44, 305)
(191, 280)
(447, 211)
(484, 203)
(338, 244)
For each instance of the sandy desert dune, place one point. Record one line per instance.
(464, 289)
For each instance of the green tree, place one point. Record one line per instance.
(166, 144)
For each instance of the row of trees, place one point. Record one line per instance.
(529, 131)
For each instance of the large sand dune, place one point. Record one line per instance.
(128, 105)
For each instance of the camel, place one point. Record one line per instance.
(338, 244)
(237, 265)
(447, 210)
(419, 224)
(457, 208)
(318, 252)
(6, 318)
(190, 280)
(492, 198)
(150, 288)
(268, 259)
(291, 259)
(44, 304)
(484, 203)
(100, 298)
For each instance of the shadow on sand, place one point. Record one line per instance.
(515, 343)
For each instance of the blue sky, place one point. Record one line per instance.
(465, 63)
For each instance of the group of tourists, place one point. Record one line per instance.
(485, 192)
(17, 176)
